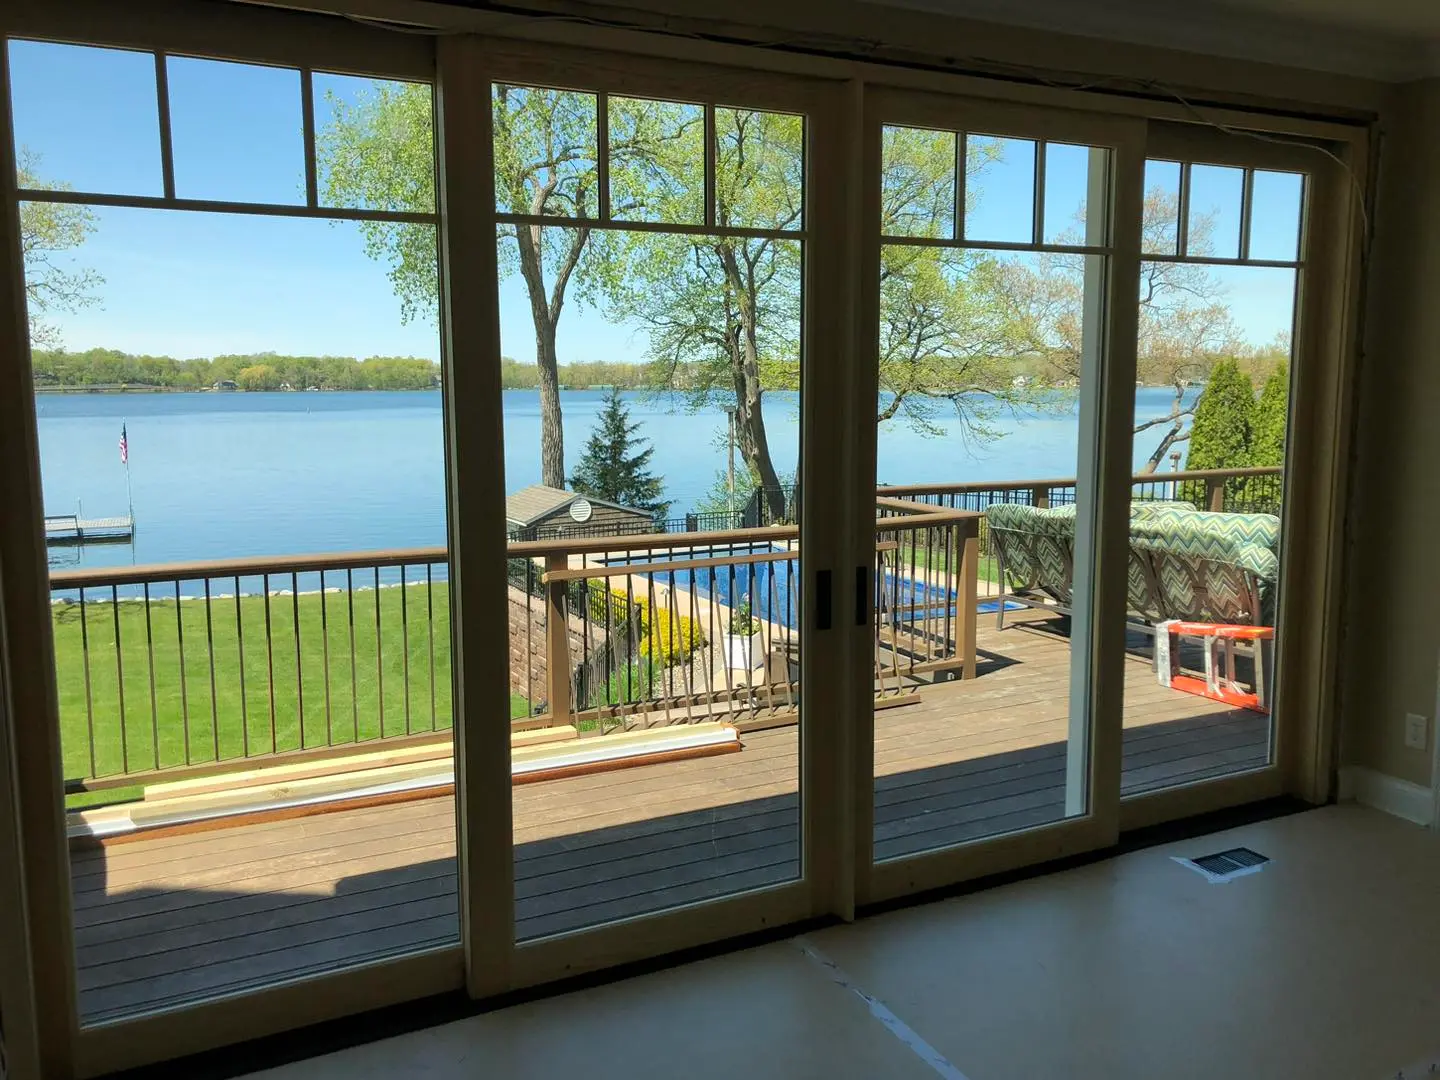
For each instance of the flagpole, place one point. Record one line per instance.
(129, 493)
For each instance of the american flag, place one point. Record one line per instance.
(124, 447)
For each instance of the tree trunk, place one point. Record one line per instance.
(552, 435)
(750, 425)
(552, 431)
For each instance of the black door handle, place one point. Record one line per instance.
(823, 613)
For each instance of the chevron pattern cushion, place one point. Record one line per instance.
(1035, 545)
(1201, 561)
(1184, 563)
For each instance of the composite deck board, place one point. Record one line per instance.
(164, 921)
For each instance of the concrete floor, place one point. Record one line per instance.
(1325, 965)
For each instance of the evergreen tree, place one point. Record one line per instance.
(614, 468)
(1267, 435)
(1221, 431)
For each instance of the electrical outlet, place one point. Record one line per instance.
(1417, 729)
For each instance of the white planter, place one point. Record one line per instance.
(742, 651)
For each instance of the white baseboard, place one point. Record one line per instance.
(1413, 802)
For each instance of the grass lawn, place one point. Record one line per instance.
(399, 682)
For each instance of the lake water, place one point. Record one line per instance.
(221, 475)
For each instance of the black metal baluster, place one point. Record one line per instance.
(89, 699)
(214, 695)
(269, 661)
(184, 696)
(405, 648)
(120, 680)
(150, 668)
(354, 671)
(430, 622)
(325, 658)
(299, 671)
(379, 658)
(244, 699)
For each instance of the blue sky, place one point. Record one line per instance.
(199, 284)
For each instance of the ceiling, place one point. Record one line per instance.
(1385, 39)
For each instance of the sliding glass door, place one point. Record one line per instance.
(654, 350)
(513, 510)
(997, 232)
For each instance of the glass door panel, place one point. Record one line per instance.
(1218, 294)
(249, 568)
(652, 257)
(993, 270)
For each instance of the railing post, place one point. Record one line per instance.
(557, 639)
(969, 589)
(1214, 493)
(1040, 496)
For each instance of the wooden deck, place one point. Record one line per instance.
(164, 921)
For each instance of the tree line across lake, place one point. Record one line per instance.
(106, 368)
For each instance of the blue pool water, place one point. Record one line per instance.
(771, 588)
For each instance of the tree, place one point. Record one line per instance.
(1267, 435)
(378, 153)
(1185, 325)
(614, 467)
(47, 230)
(257, 377)
(1220, 432)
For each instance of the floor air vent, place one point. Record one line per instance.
(1224, 865)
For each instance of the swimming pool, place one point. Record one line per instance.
(771, 587)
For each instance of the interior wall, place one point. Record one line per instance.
(1392, 629)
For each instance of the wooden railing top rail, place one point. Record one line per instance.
(1027, 485)
(244, 567)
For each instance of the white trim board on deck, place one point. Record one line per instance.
(622, 749)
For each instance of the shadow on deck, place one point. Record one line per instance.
(165, 921)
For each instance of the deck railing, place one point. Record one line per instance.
(185, 669)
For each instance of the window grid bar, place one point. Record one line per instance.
(307, 130)
(1247, 209)
(1216, 260)
(549, 220)
(1038, 216)
(1182, 212)
(167, 146)
(219, 206)
(602, 155)
(962, 146)
(996, 245)
(712, 154)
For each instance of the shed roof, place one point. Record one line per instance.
(538, 501)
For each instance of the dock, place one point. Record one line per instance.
(72, 529)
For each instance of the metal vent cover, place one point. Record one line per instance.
(1224, 865)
